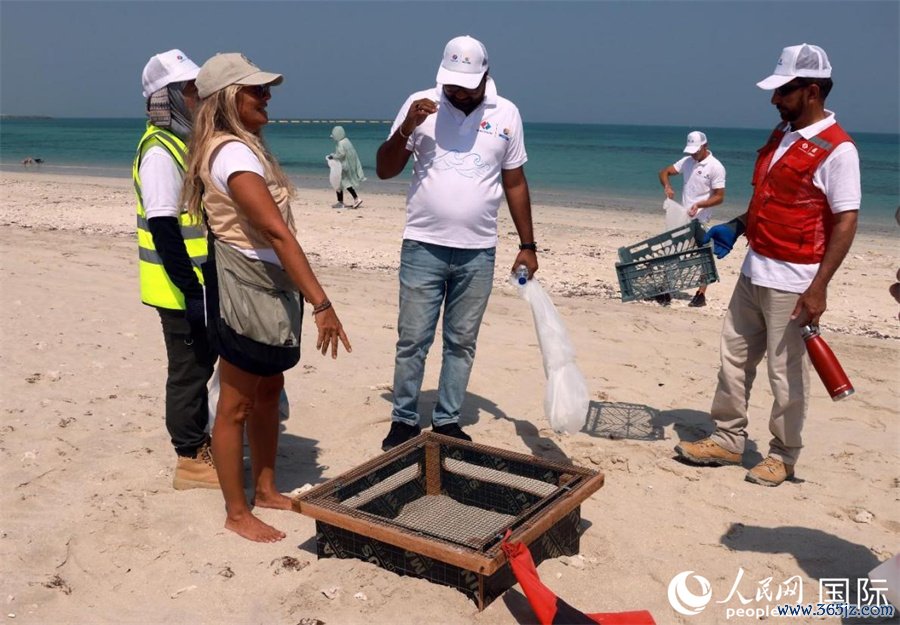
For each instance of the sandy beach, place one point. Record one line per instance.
(91, 530)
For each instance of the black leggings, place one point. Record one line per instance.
(340, 194)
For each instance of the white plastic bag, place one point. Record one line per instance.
(212, 390)
(566, 400)
(334, 172)
(888, 574)
(676, 214)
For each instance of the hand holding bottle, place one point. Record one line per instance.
(826, 363)
(521, 275)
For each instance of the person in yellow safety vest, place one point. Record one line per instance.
(171, 248)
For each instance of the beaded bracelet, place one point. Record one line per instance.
(321, 307)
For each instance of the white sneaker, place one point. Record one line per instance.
(338, 205)
(357, 203)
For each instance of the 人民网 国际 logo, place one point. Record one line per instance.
(683, 600)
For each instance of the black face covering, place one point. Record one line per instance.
(166, 108)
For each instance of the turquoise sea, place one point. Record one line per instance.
(578, 165)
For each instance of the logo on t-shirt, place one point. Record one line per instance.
(468, 165)
(485, 127)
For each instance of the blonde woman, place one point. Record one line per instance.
(255, 276)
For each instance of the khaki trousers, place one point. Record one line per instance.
(758, 324)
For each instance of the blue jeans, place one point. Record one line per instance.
(431, 276)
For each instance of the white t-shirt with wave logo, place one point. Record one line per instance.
(456, 188)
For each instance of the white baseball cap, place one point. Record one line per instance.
(231, 68)
(695, 141)
(165, 68)
(464, 64)
(803, 61)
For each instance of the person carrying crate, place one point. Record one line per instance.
(704, 187)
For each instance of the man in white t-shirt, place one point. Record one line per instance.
(800, 224)
(469, 152)
(704, 187)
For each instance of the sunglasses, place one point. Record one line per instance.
(789, 88)
(453, 89)
(259, 91)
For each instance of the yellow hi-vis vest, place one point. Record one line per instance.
(156, 287)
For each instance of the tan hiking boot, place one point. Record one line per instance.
(196, 472)
(707, 451)
(770, 472)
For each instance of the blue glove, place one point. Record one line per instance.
(724, 236)
(195, 311)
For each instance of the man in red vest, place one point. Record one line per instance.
(800, 224)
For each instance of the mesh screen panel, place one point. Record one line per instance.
(810, 58)
(442, 516)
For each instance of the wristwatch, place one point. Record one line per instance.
(528, 246)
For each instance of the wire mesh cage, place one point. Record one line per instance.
(437, 508)
(666, 263)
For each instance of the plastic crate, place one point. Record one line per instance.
(666, 263)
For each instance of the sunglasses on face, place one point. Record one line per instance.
(789, 88)
(454, 89)
(259, 91)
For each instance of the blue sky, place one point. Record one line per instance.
(687, 63)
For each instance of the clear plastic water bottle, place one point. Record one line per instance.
(826, 364)
(521, 275)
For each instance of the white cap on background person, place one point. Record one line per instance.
(695, 141)
(803, 61)
(464, 64)
(165, 68)
(231, 68)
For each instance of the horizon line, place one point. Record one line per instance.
(312, 120)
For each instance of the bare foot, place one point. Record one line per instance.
(253, 529)
(272, 500)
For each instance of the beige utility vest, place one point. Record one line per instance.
(227, 221)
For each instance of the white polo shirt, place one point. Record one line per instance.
(838, 178)
(456, 186)
(700, 179)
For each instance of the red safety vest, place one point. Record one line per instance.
(789, 218)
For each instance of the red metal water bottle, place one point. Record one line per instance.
(826, 363)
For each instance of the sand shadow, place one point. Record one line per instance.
(309, 546)
(692, 425)
(618, 420)
(470, 414)
(297, 462)
(819, 554)
(519, 608)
